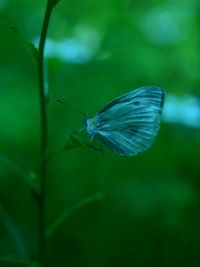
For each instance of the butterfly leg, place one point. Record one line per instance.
(92, 137)
(82, 129)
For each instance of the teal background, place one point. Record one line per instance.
(146, 209)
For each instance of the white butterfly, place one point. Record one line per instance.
(129, 124)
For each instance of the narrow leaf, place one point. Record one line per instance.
(28, 45)
(69, 212)
(6, 261)
(14, 232)
(73, 141)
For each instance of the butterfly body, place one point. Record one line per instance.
(91, 125)
(128, 124)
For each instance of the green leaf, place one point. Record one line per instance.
(91, 146)
(32, 179)
(69, 212)
(33, 50)
(15, 167)
(73, 141)
(7, 261)
(34, 183)
(28, 45)
(13, 231)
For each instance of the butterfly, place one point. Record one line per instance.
(129, 124)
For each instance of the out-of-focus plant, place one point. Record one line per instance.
(37, 182)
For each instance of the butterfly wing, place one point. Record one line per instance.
(128, 125)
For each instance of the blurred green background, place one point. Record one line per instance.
(146, 209)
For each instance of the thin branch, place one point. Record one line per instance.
(44, 130)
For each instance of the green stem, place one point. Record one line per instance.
(44, 131)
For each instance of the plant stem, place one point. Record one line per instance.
(44, 131)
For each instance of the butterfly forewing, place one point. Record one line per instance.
(151, 93)
(129, 124)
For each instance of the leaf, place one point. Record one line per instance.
(28, 45)
(31, 179)
(15, 167)
(33, 50)
(13, 232)
(91, 146)
(69, 212)
(73, 141)
(34, 183)
(6, 261)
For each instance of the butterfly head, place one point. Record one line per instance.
(91, 125)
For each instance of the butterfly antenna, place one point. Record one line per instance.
(71, 106)
(87, 114)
